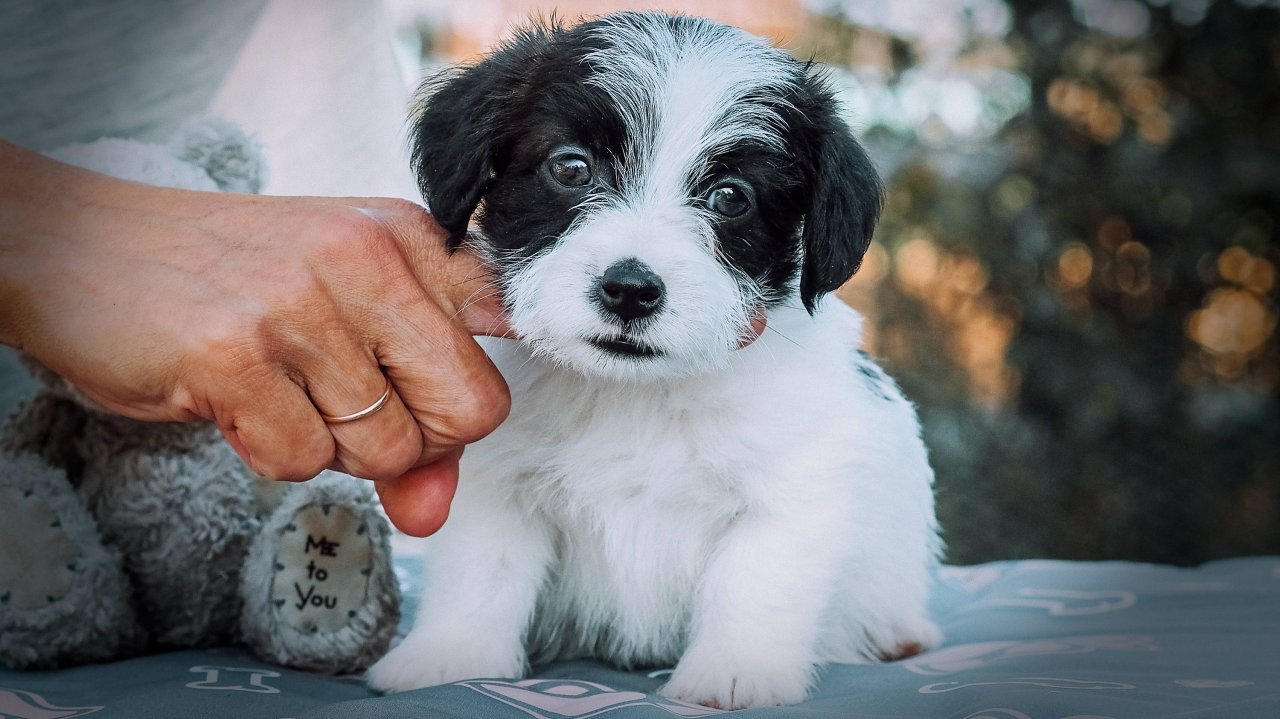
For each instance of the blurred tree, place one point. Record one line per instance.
(1085, 308)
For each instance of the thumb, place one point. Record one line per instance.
(417, 502)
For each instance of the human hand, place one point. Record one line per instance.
(259, 314)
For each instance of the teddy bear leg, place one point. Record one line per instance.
(175, 500)
(319, 588)
(64, 596)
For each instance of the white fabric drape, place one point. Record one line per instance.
(319, 84)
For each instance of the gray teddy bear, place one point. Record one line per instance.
(119, 536)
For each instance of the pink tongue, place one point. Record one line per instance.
(758, 320)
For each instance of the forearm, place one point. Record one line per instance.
(48, 211)
(31, 214)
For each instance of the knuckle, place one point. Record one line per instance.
(244, 342)
(480, 409)
(359, 251)
(300, 463)
(400, 207)
(295, 293)
(345, 237)
(344, 227)
(231, 342)
(389, 454)
(363, 235)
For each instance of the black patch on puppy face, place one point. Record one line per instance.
(471, 120)
(762, 243)
(486, 133)
(526, 209)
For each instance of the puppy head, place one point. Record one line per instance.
(646, 187)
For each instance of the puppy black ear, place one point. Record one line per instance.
(845, 201)
(456, 139)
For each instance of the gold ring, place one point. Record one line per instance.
(386, 395)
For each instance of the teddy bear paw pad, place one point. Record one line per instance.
(37, 558)
(323, 563)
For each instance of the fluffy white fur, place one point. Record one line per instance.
(706, 307)
(752, 523)
(747, 514)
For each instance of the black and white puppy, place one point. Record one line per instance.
(675, 485)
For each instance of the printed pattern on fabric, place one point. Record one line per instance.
(18, 704)
(568, 699)
(1025, 640)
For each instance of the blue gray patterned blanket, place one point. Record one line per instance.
(1024, 640)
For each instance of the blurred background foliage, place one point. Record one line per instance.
(1075, 276)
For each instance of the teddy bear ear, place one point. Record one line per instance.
(232, 158)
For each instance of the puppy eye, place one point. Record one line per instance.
(570, 169)
(730, 199)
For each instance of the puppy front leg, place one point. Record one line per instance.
(757, 615)
(484, 571)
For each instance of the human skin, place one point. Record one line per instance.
(258, 313)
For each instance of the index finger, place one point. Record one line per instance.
(458, 280)
(475, 294)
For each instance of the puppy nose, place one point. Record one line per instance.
(630, 290)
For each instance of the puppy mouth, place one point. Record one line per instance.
(624, 346)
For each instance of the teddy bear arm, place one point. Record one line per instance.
(46, 426)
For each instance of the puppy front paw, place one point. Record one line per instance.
(904, 640)
(726, 684)
(425, 662)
